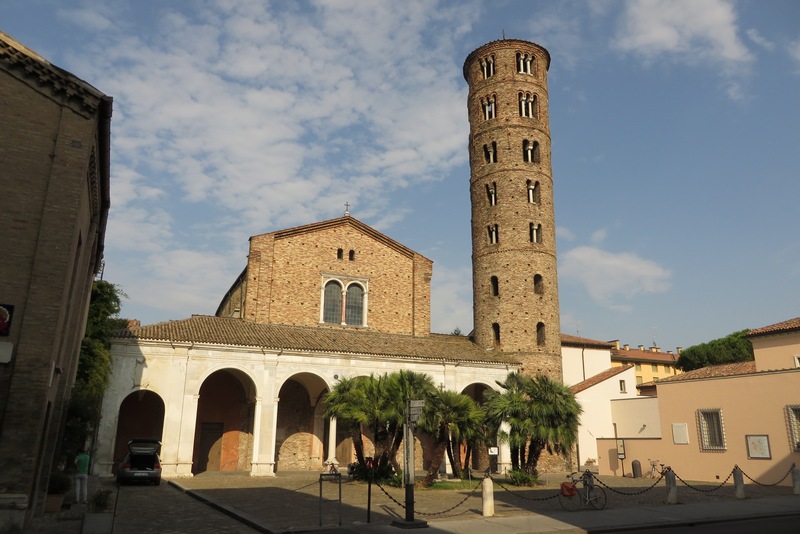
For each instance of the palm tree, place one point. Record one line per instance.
(542, 414)
(446, 414)
(401, 386)
(347, 402)
(512, 407)
(555, 415)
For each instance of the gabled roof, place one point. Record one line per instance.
(575, 341)
(713, 371)
(600, 377)
(242, 333)
(777, 328)
(646, 356)
(347, 220)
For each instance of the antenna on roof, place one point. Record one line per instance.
(504, 33)
(655, 331)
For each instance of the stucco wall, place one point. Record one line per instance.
(752, 404)
(777, 351)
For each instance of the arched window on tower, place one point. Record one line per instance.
(530, 151)
(352, 255)
(489, 107)
(491, 193)
(496, 334)
(535, 233)
(524, 63)
(339, 254)
(332, 303)
(528, 105)
(487, 67)
(495, 286)
(354, 305)
(538, 284)
(534, 194)
(494, 238)
(540, 338)
(490, 152)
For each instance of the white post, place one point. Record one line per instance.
(331, 459)
(672, 487)
(487, 492)
(738, 483)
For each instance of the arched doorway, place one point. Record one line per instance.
(301, 427)
(223, 438)
(141, 415)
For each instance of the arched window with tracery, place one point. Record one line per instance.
(332, 303)
(354, 305)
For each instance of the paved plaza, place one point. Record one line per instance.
(290, 502)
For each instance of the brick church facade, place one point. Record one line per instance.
(243, 390)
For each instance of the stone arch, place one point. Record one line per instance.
(223, 439)
(141, 415)
(300, 430)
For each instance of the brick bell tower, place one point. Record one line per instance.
(515, 286)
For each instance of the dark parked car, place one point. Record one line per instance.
(141, 463)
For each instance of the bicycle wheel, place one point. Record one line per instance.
(597, 497)
(572, 503)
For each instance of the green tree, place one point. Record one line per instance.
(541, 414)
(347, 403)
(400, 387)
(448, 416)
(94, 367)
(729, 349)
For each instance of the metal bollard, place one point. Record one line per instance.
(796, 480)
(672, 487)
(738, 482)
(487, 492)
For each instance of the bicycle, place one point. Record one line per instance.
(573, 498)
(653, 470)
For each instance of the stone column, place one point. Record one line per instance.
(331, 459)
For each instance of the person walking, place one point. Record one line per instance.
(81, 476)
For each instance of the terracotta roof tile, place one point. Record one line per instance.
(239, 332)
(569, 340)
(713, 371)
(785, 326)
(646, 356)
(600, 377)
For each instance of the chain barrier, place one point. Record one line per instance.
(631, 494)
(519, 496)
(705, 490)
(430, 514)
(789, 472)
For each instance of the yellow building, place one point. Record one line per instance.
(650, 364)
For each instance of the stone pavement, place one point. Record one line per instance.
(290, 502)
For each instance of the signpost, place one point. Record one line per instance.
(413, 411)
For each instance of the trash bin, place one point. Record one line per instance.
(636, 468)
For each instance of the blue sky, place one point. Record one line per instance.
(675, 139)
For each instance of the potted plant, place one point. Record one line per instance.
(57, 487)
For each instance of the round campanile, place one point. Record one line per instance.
(515, 285)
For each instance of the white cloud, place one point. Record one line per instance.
(793, 49)
(682, 29)
(759, 39)
(451, 299)
(608, 276)
(598, 236)
(565, 233)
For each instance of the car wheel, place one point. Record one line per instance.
(157, 482)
